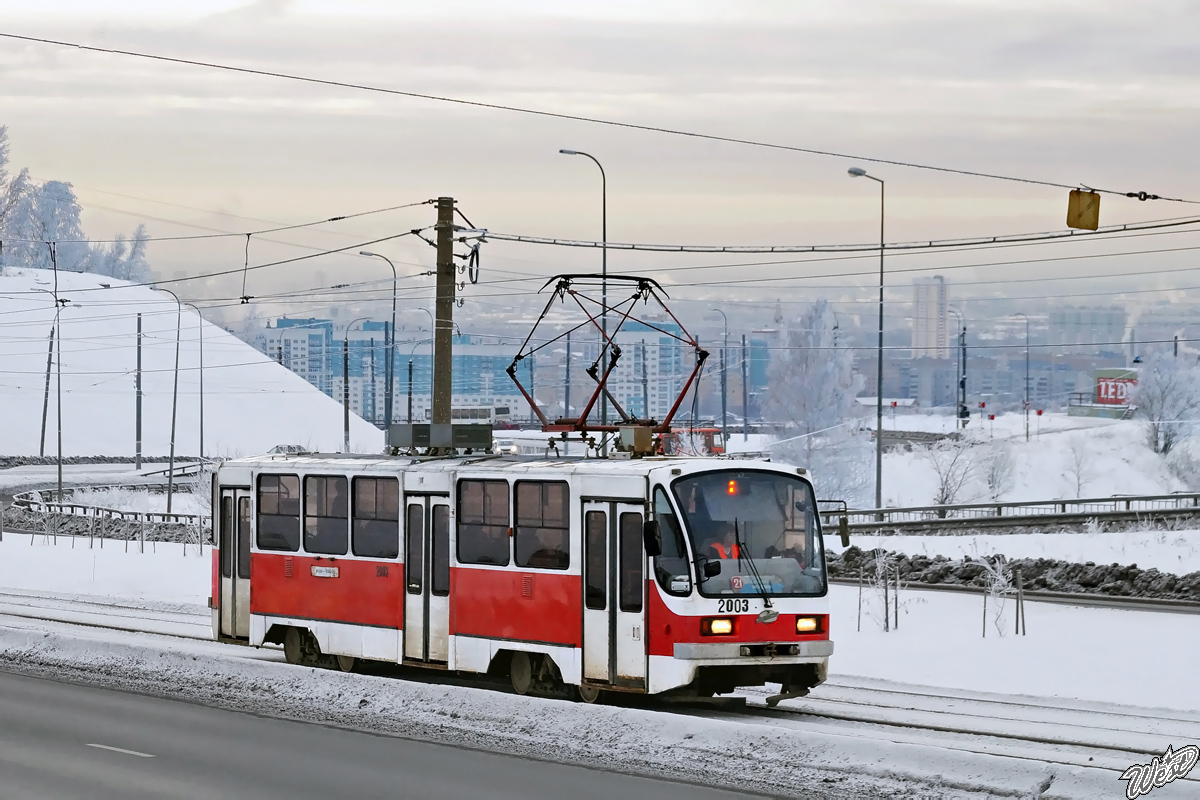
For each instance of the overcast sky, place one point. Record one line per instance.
(1098, 93)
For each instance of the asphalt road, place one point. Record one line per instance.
(60, 740)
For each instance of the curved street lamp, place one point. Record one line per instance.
(603, 266)
(389, 344)
(174, 393)
(859, 172)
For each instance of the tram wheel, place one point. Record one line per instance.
(293, 646)
(590, 694)
(520, 672)
(346, 663)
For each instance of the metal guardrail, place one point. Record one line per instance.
(36, 502)
(1178, 504)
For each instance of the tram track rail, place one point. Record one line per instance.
(1060, 741)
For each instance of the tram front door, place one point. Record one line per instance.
(614, 587)
(427, 578)
(233, 543)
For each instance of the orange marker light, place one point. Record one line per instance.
(733, 487)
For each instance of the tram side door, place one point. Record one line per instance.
(427, 579)
(614, 623)
(234, 557)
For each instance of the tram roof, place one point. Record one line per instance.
(620, 466)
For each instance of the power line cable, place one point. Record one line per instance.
(1140, 195)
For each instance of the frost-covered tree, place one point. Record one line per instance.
(953, 466)
(1167, 397)
(811, 400)
(1079, 464)
(997, 467)
(40, 227)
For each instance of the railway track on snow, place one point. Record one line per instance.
(1081, 599)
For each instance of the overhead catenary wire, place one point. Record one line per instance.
(225, 235)
(927, 245)
(1140, 195)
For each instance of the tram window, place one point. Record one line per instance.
(671, 568)
(483, 522)
(542, 534)
(414, 559)
(226, 542)
(243, 537)
(326, 515)
(596, 566)
(375, 529)
(279, 512)
(630, 560)
(439, 570)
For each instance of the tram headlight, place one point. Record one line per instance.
(808, 624)
(716, 626)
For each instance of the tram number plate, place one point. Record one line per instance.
(733, 606)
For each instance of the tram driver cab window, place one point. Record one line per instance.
(671, 568)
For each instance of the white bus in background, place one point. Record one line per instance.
(525, 443)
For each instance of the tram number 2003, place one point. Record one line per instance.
(733, 606)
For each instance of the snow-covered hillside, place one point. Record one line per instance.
(1071, 457)
(250, 403)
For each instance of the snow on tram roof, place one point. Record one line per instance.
(636, 466)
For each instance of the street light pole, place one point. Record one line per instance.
(858, 172)
(1019, 314)
(174, 395)
(200, 336)
(603, 268)
(724, 404)
(960, 386)
(346, 385)
(388, 345)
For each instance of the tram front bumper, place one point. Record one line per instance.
(740, 652)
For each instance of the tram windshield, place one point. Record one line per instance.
(760, 526)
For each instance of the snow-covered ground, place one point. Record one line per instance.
(1069, 652)
(1168, 551)
(250, 403)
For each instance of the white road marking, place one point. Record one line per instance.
(122, 750)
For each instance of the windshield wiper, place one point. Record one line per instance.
(737, 540)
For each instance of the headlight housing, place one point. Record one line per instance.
(716, 626)
(810, 623)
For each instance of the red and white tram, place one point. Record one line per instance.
(687, 576)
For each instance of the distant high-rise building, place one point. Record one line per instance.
(930, 337)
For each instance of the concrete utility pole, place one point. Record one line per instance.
(137, 428)
(46, 396)
(443, 342)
